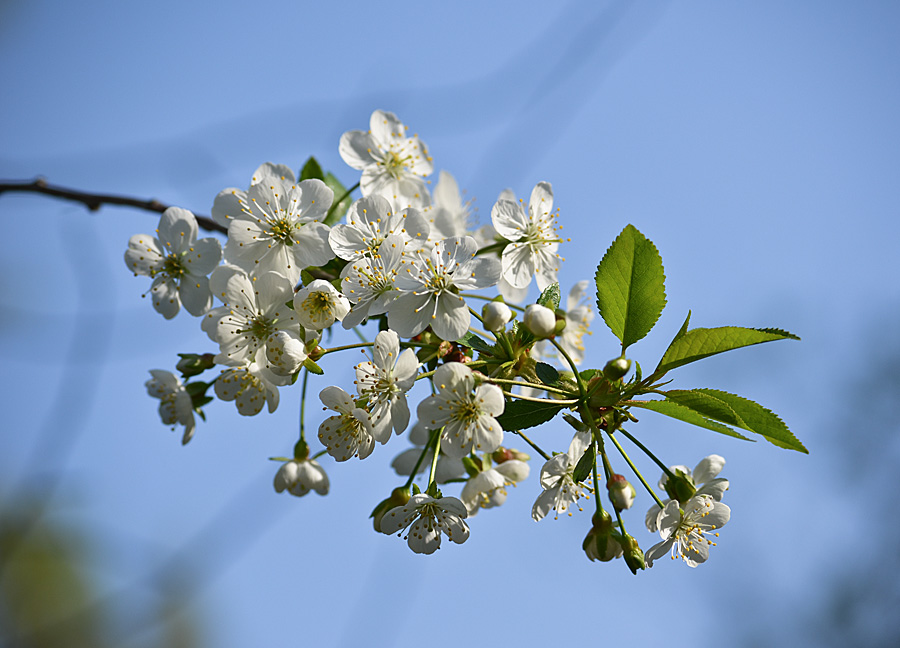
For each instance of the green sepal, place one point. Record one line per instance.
(585, 465)
(338, 210)
(739, 412)
(522, 414)
(550, 297)
(311, 170)
(546, 373)
(696, 344)
(196, 388)
(312, 367)
(200, 401)
(680, 412)
(415, 489)
(472, 468)
(631, 286)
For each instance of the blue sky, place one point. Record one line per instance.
(756, 144)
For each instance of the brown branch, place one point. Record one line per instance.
(95, 201)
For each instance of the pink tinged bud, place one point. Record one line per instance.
(496, 315)
(621, 492)
(541, 321)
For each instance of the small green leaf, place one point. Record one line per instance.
(682, 413)
(338, 210)
(740, 412)
(547, 374)
(700, 343)
(521, 414)
(550, 297)
(631, 286)
(312, 367)
(474, 342)
(311, 170)
(584, 466)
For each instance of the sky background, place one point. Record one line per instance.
(756, 144)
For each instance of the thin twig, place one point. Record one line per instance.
(95, 201)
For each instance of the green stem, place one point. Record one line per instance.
(533, 445)
(434, 460)
(486, 298)
(303, 404)
(335, 204)
(525, 383)
(573, 401)
(421, 458)
(647, 452)
(582, 388)
(596, 481)
(635, 470)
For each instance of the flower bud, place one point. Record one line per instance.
(285, 353)
(634, 557)
(192, 364)
(399, 497)
(541, 321)
(617, 368)
(496, 314)
(621, 492)
(501, 455)
(599, 544)
(680, 487)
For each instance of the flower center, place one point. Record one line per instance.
(281, 231)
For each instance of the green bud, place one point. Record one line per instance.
(192, 364)
(301, 450)
(617, 368)
(632, 553)
(399, 497)
(681, 487)
(599, 544)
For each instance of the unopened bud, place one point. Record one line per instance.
(192, 364)
(599, 544)
(632, 553)
(301, 450)
(501, 455)
(541, 321)
(617, 368)
(680, 487)
(496, 314)
(399, 497)
(621, 492)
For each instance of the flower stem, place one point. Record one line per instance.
(434, 460)
(533, 445)
(596, 480)
(524, 383)
(551, 401)
(647, 452)
(486, 298)
(635, 470)
(303, 404)
(582, 389)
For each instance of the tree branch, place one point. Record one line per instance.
(95, 201)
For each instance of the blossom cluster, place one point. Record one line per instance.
(302, 257)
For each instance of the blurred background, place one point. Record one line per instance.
(757, 144)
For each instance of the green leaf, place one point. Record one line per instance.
(522, 414)
(740, 412)
(474, 342)
(700, 343)
(547, 374)
(631, 286)
(338, 210)
(682, 413)
(550, 297)
(311, 170)
(584, 466)
(312, 367)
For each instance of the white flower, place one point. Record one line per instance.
(447, 467)
(370, 222)
(426, 518)
(540, 320)
(464, 411)
(299, 477)
(250, 386)
(560, 489)
(685, 532)
(178, 263)
(175, 404)
(254, 310)
(429, 289)
(285, 353)
(487, 489)
(703, 478)
(533, 238)
(450, 216)
(276, 225)
(319, 304)
(393, 164)
(368, 282)
(348, 434)
(384, 382)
